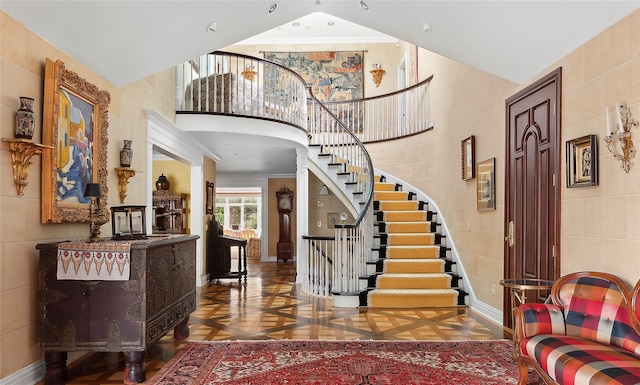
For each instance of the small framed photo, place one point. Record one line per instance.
(332, 220)
(582, 162)
(128, 222)
(486, 185)
(468, 156)
(210, 191)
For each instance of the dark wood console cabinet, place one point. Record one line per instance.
(117, 316)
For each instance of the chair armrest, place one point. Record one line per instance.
(538, 318)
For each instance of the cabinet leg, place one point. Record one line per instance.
(56, 368)
(134, 372)
(181, 331)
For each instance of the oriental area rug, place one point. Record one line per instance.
(341, 362)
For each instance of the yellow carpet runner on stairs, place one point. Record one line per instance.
(411, 273)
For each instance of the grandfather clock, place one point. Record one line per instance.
(285, 206)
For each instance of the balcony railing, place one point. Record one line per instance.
(233, 84)
(223, 83)
(401, 113)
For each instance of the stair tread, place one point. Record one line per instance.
(414, 291)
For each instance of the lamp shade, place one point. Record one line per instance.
(92, 191)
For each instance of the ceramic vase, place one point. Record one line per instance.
(162, 183)
(25, 118)
(126, 154)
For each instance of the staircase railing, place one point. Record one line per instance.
(351, 246)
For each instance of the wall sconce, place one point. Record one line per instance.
(324, 190)
(619, 141)
(249, 73)
(376, 73)
(93, 191)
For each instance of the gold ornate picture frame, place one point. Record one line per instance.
(75, 124)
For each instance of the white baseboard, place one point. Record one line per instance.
(28, 375)
(487, 311)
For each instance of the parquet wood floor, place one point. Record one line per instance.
(269, 306)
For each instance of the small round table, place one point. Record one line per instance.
(518, 287)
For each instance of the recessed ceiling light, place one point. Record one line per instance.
(331, 23)
(295, 24)
(364, 5)
(213, 27)
(272, 9)
(426, 27)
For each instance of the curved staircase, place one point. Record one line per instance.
(412, 267)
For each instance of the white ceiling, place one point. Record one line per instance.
(124, 41)
(127, 40)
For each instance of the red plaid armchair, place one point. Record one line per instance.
(588, 336)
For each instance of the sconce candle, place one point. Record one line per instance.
(620, 127)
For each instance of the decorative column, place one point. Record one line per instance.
(302, 202)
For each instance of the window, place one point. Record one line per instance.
(239, 211)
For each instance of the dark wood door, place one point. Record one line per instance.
(532, 196)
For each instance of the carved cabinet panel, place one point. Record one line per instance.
(119, 315)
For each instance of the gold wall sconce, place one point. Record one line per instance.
(249, 73)
(124, 174)
(619, 140)
(21, 152)
(376, 73)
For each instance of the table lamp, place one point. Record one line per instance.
(93, 192)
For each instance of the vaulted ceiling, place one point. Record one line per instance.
(127, 40)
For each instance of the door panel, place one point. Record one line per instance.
(532, 189)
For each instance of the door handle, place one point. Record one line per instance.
(509, 238)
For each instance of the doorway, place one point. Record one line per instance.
(532, 196)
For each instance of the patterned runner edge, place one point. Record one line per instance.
(90, 261)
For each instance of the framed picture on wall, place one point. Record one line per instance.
(468, 157)
(332, 220)
(210, 191)
(486, 185)
(582, 161)
(75, 121)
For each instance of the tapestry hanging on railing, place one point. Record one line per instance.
(332, 75)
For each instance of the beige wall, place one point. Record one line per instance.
(274, 185)
(600, 229)
(330, 204)
(22, 58)
(601, 225)
(178, 174)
